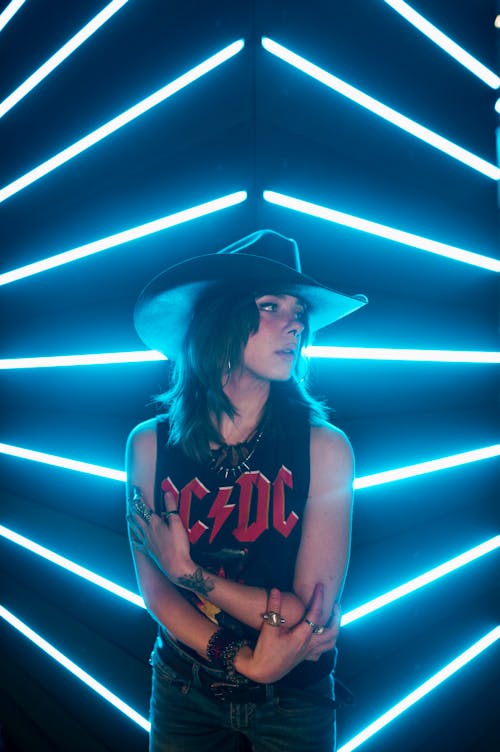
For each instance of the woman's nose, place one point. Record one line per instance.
(296, 327)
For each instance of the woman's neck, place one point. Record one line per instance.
(249, 399)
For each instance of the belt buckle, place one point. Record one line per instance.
(223, 690)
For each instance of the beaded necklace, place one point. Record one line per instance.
(229, 461)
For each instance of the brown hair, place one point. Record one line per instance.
(218, 332)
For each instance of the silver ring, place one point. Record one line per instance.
(166, 515)
(142, 510)
(316, 628)
(273, 618)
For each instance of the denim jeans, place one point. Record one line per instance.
(186, 717)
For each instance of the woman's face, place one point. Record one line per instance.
(272, 351)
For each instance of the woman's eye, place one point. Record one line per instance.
(268, 306)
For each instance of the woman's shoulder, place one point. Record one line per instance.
(332, 461)
(145, 436)
(144, 431)
(328, 438)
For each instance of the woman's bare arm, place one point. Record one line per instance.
(323, 552)
(165, 604)
(326, 534)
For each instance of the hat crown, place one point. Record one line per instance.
(270, 245)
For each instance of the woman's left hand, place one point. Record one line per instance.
(279, 649)
(164, 539)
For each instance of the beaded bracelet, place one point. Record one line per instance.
(221, 651)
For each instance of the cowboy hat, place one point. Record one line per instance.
(264, 261)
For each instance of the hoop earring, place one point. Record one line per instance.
(228, 374)
(302, 370)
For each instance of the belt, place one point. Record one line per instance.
(220, 689)
(251, 692)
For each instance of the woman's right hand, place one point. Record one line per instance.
(279, 649)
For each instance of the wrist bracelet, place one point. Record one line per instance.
(222, 648)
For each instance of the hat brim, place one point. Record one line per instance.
(164, 308)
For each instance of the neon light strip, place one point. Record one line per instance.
(119, 238)
(313, 351)
(497, 105)
(99, 688)
(382, 231)
(71, 566)
(434, 681)
(120, 120)
(386, 353)
(60, 55)
(99, 359)
(64, 462)
(366, 481)
(348, 618)
(423, 468)
(448, 45)
(382, 110)
(9, 12)
(421, 581)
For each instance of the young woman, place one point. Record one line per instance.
(239, 505)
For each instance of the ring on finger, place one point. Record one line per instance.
(166, 515)
(142, 510)
(316, 628)
(273, 618)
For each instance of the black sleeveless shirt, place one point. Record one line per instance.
(247, 530)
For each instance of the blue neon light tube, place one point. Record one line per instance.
(366, 481)
(58, 57)
(76, 670)
(122, 119)
(382, 110)
(445, 43)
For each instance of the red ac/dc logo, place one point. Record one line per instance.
(266, 506)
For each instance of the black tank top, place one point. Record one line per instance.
(248, 530)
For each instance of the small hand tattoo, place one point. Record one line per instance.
(196, 582)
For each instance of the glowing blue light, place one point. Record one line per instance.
(64, 462)
(71, 566)
(99, 359)
(68, 664)
(382, 110)
(119, 238)
(430, 466)
(313, 351)
(61, 55)
(348, 618)
(120, 120)
(9, 12)
(406, 355)
(421, 581)
(434, 681)
(446, 44)
(366, 481)
(497, 105)
(382, 231)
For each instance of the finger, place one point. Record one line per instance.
(334, 620)
(316, 607)
(326, 640)
(170, 502)
(273, 604)
(141, 511)
(136, 533)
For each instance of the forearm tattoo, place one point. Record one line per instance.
(197, 582)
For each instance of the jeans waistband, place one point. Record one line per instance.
(211, 680)
(216, 683)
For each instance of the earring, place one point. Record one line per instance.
(228, 374)
(302, 369)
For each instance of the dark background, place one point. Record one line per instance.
(252, 124)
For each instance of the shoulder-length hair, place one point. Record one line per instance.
(219, 329)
